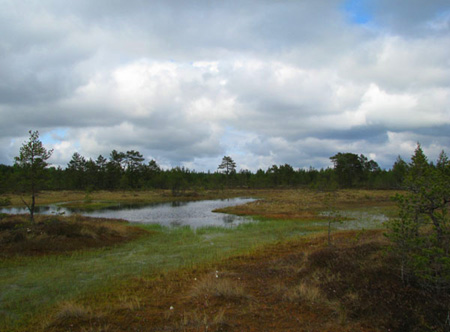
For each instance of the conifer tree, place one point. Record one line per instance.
(32, 161)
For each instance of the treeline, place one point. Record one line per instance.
(128, 170)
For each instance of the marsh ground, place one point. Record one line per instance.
(278, 274)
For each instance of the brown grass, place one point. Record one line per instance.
(305, 292)
(70, 310)
(69, 314)
(129, 302)
(202, 321)
(215, 285)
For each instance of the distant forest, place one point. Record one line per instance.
(128, 171)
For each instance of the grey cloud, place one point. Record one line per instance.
(407, 18)
(178, 143)
(171, 28)
(442, 132)
(35, 70)
(374, 134)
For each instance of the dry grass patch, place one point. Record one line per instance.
(71, 316)
(202, 321)
(130, 303)
(214, 285)
(305, 292)
(70, 312)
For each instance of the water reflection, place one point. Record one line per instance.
(228, 218)
(178, 204)
(174, 214)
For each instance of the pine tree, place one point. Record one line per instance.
(421, 234)
(32, 161)
(228, 166)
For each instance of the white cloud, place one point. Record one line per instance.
(266, 82)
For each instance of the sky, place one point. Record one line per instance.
(188, 82)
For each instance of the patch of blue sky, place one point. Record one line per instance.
(54, 136)
(358, 11)
(441, 21)
(234, 141)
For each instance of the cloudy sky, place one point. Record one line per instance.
(187, 82)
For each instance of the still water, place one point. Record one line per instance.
(193, 214)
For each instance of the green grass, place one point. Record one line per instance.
(30, 287)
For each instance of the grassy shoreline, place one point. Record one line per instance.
(82, 199)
